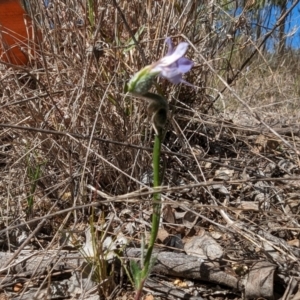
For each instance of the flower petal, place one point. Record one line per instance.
(170, 72)
(184, 64)
(176, 79)
(187, 83)
(178, 53)
(169, 43)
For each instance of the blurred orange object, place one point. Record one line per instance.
(16, 33)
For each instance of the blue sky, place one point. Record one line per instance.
(292, 29)
(270, 14)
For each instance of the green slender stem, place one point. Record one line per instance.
(158, 107)
(156, 206)
(155, 216)
(156, 159)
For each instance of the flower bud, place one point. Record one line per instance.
(142, 81)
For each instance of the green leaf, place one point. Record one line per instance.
(136, 273)
(130, 43)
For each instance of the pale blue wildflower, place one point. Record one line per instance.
(172, 66)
